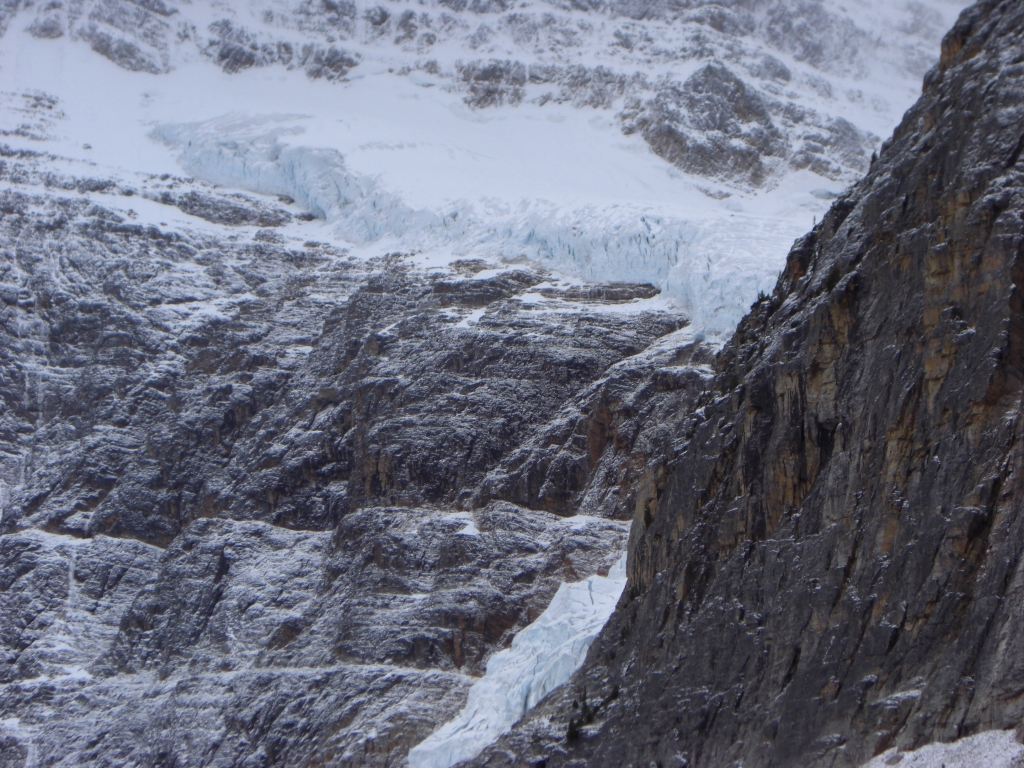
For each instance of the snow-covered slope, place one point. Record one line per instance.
(992, 749)
(683, 145)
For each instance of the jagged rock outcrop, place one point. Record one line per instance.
(240, 473)
(714, 124)
(606, 452)
(834, 566)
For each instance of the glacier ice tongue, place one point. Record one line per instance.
(542, 657)
(243, 152)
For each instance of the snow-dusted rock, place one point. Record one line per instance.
(992, 749)
(294, 447)
(240, 519)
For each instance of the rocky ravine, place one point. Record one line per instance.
(834, 565)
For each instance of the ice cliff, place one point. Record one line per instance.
(711, 266)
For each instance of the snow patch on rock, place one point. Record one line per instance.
(992, 749)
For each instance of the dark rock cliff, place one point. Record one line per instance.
(834, 565)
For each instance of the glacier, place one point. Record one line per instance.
(710, 266)
(395, 156)
(541, 658)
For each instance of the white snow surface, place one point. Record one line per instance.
(392, 158)
(542, 657)
(992, 749)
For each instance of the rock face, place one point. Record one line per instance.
(275, 384)
(712, 124)
(266, 503)
(833, 567)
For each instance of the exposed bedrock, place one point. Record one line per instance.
(242, 479)
(274, 384)
(712, 125)
(833, 566)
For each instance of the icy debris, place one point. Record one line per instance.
(542, 657)
(992, 749)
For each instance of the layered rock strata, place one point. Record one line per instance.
(256, 494)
